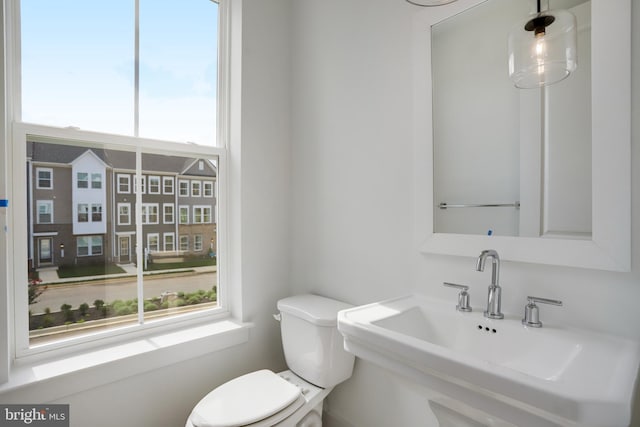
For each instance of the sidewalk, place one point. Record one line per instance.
(50, 276)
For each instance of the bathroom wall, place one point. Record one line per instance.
(165, 397)
(353, 200)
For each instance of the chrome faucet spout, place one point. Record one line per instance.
(494, 295)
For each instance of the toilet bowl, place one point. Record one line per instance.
(317, 362)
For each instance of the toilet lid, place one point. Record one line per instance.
(245, 400)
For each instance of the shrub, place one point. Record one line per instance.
(164, 305)
(65, 307)
(47, 310)
(98, 304)
(83, 308)
(122, 310)
(47, 321)
(104, 310)
(150, 306)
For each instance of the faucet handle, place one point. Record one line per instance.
(532, 313)
(463, 296)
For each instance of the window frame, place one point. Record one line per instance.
(119, 214)
(41, 169)
(171, 220)
(16, 358)
(119, 176)
(43, 202)
(166, 179)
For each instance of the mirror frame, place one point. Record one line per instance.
(610, 245)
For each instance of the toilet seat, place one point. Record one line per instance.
(260, 398)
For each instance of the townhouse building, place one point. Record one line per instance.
(82, 205)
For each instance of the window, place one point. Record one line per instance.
(184, 243)
(150, 213)
(152, 242)
(124, 213)
(154, 185)
(44, 178)
(96, 213)
(195, 188)
(169, 242)
(184, 188)
(167, 185)
(96, 180)
(83, 212)
(197, 243)
(83, 180)
(45, 211)
(207, 188)
(184, 214)
(124, 183)
(96, 194)
(89, 246)
(201, 214)
(167, 213)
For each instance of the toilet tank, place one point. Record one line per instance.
(313, 347)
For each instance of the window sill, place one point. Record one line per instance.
(62, 376)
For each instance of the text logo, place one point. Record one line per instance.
(34, 415)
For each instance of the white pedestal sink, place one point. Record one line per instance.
(567, 376)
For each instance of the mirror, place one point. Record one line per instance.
(478, 186)
(603, 239)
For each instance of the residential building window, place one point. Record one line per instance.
(89, 245)
(150, 213)
(124, 213)
(169, 242)
(167, 184)
(154, 185)
(153, 242)
(45, 178)
(195, 188)
(83, 212)
(124, 182)
(125, 118)
(197, 243)
(184, 243)
(45, 211)
(167, 213)
(83, 180)
(207, 188)
(201, 214)
(96, 212)
(184, 214)
(96, 180)
(184, 188)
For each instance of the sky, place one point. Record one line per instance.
(78, 61)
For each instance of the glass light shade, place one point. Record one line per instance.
(542, 49)
(430, 2)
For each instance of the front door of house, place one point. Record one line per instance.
(124, 249)
(45, 255)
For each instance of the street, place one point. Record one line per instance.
(123, 289)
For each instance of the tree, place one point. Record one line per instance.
(35, 290)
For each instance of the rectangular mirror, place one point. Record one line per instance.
(556, 158)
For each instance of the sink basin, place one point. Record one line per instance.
(561, 374)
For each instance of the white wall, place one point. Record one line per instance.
(352, 194)
(165, 397)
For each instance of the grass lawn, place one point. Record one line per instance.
(88, 270)
(188, 263)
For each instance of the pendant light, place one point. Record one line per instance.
(542, 49)
(430, 2)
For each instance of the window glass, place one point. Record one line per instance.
(45, 180)
(96, 180)
(83, 180)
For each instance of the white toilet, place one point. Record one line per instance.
(314, 352)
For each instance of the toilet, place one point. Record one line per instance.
(315, 355)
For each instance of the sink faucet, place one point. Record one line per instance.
(495, 291)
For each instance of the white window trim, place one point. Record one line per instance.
(197, 184)
(154, 178)
(128, 179)
(145, 212)
(149, 237)
(89, 246)
(164, 241)
(50, 170)
(173, 184)
(78, 181)
(181, 207)
(185, 236)
(44, 202)
(164, 213)
(73, 368)
(197, 237)
(202, 208)
(209, 184)
(128, 205)
(188, 188)
(94, 174)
